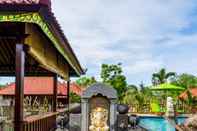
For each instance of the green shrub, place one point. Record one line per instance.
(74, 98)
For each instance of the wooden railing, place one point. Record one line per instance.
(46, 122)
(7, 126)
(146, 108)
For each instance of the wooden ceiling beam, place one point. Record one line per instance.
(2, 52)
(1, 59)
(6, 53)
(9, 45)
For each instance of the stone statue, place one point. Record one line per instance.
(170, 107)
(99, 118)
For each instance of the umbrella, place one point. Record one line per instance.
(166, 87)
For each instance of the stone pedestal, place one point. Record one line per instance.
(75, 122)
(122, 122)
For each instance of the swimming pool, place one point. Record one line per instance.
(158, 123)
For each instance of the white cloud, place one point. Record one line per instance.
(126, 31)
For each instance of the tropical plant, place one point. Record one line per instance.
(132, 88)
(129, 98)
(113, 75)
(130, 95)
(191, 100)
(136, 97)
(162, 76)
(85, 81)
(142, 86)
(74, 98)
(1, 86)
(185, 80)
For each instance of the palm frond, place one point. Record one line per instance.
(170, 74)
(157, 76)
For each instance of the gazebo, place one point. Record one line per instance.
(33, 44)
(166, 88)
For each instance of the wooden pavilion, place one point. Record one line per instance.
(38, 93)
(192, 90)
(33, 44)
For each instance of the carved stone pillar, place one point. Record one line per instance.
(113, 116)
(85, 115)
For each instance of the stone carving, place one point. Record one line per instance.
(99, 114)
(99, 104)
(170, 107)
(99, 118)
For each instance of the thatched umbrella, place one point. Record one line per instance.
(166, 87)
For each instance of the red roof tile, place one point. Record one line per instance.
(41, 86)
(193, 92)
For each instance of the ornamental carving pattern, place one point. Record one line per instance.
(36, 105)
(19, 1)
(30, 18)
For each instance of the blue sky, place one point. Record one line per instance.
(144, 35)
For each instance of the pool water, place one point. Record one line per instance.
(158, 123)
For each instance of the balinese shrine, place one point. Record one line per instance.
(33, 44)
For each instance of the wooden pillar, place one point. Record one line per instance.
(68, 93)
(55, 93)
(68, 101)
(19, 91)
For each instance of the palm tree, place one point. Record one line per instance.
(129, 94)
(162, 76)
(136, 97)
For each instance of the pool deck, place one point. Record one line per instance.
(137, 129)
(148, 115)
(155, 115)
(130, 129)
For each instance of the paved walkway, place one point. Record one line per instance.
(62, 129)
(137, 129)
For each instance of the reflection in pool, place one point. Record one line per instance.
(158, 123)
